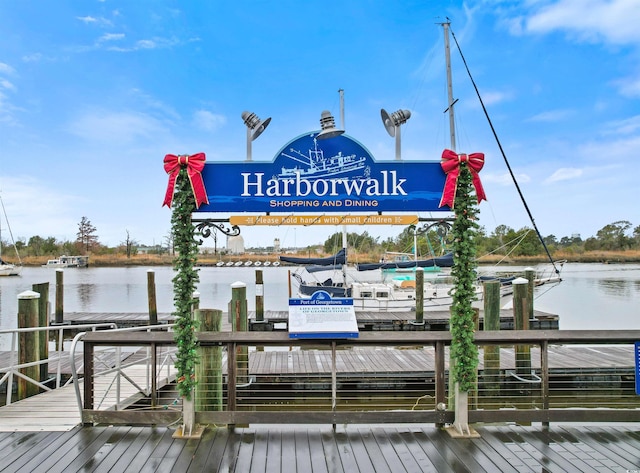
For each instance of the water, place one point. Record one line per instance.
(591, 296)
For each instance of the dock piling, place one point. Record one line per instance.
(43, 321)
(151, 296)
(419, 296)
(491, 370)
(239, 324)
(521, 320)
(59, 316)
(209, 370)
(259, 296)
(28, 342)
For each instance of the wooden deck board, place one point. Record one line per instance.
(292, 449)
(58, 409)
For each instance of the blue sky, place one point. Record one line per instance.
(93, 94)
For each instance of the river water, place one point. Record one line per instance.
(591, 296)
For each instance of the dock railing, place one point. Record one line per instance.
(141, 369)
(13, 369)
(396, 377)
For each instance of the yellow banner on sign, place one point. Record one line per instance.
(323, 219)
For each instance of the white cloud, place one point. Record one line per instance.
(610, 21)
(5, 84)
(492, 98)
(116, 127)
(155, 43)
(6, 69)
(625, 127)
(504, 179)
(208, 121)
(564, 174)
(629, 87)
(551, 116)
(86, 19)
(111, 37)
(52, 213)
(35, 57)
(91, 20)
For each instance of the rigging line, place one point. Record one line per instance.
(4, 212)
(504, 156)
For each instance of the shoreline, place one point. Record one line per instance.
(632, 256)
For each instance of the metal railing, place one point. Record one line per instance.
(396, 377)
(109, 362)
(57, 357)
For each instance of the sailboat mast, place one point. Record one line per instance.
(447, 55)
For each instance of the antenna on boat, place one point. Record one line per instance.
(341, 92)
(450, 101)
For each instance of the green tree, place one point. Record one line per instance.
(613, 236)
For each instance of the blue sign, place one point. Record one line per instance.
(637, 357)
(333, 175)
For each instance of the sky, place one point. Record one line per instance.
(94, 94)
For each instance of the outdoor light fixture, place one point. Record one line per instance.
(328, 125)
(255, 127)
(392, 124)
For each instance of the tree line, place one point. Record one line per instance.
(434, 240)
(503, 240)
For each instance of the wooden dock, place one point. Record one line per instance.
(278, 320)
(293, 449)
(58, 410)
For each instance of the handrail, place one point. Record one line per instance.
(13, 368)
(80, 337)
(438, 340)
(486, 337)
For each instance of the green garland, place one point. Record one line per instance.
(464, 353)
(184, 283)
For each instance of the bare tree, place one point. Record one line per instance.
(86, 235)
(129, 245)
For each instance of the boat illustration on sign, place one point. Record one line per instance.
(315, 165)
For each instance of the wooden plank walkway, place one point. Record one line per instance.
(292, 449)
(58, 410)
(416, 361)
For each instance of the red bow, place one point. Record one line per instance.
(195, 165)
(451, 165)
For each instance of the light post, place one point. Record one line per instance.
(392, 124)
(255, 127)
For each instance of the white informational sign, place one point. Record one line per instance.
(322, 317)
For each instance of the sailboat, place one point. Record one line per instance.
(7, 268)
(400, 293)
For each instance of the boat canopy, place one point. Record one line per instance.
(338, 259)
(445, 261)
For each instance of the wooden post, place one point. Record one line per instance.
(491, 371)
(196, 301)
(59, 317)
(239, 324)
(259, 296)
(530, 275)
(28, 342)
(43, 321)
(209, 370)
(521, 319)
(419, 296)
(151, 297)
